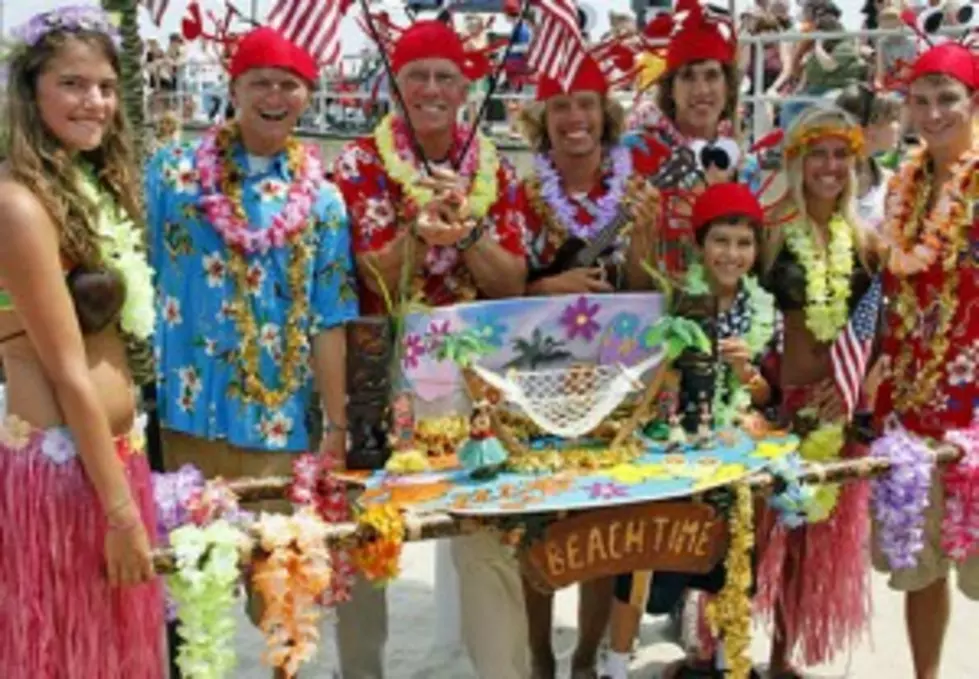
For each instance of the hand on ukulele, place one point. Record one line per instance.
(576, 281)
(645, 215)
(446, 219)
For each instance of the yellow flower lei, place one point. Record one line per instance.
(294, 356)
(729, 613)
(827, 276)
(379, 559)
(482, 193)
(822, 446)
(950, 224)
(800, 145)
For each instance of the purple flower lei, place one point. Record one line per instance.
(68, 19)
(608, 205)
(900, 496)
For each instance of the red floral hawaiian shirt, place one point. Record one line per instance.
(373, 200)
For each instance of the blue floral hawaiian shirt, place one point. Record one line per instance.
(198, 343)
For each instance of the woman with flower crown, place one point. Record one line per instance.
(813, 580)
(76, 576)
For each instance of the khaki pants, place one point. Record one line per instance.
(494, 619)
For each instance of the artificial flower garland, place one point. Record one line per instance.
(730, 396)
(917, 242)
(204, 588)
(900, 497)
(827, 275)
(851, 135)
(379, 558)
(121, 248)
(822, 446)
(960, 525)
(729, 613)
(794, 501)
(221, 199)
(315, 485)
(607, 207)
(290, 580)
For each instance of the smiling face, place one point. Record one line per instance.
(941, 110)
(77, 95)
(699, 92)
(729, 251)
(575, 123)
(826, 169)
(433, 90)
(269, 102)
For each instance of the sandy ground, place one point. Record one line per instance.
(412, 651)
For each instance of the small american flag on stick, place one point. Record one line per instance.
(850, 352)
(313, 25)
(156, 8)
(557, 48)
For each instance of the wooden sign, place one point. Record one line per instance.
(683, 536)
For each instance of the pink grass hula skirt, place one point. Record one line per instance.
(59, 618)
(818, 575)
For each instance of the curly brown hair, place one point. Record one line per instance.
(664, 92)
(533, 124)
(38, 160)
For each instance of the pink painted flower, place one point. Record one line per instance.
(579, 320)
(414, 349)
(606, 491)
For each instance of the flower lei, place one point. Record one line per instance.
(822, 446)
(960, 526)
(794, 501)
(121, 248)
(762, 307)
(800, 144)
(729, 613)
(290, 581)
(827, 276)
(565, 213)
(221, 198)
(900, 496)
(315, 485)
(204, 589)
(379, 559)
(943, 236)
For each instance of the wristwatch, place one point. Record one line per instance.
(470, 239)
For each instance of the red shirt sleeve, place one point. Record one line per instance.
(508, 222)
(359, 175)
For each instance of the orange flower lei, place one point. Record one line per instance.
(943, 234)
(801, 144)
(290, 580)
(379, 559)
(294, 355)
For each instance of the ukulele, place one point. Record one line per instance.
(576, 253)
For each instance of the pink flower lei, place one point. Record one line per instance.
(220, 210)
(960, 526)
(607, 206)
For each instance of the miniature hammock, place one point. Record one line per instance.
(570, 402)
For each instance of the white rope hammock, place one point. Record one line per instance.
(570, 402)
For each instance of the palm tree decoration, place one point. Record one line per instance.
(537, 351)
(463, 348)
(131, 58)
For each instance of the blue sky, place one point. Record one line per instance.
(16, 12)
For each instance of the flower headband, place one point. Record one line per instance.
(800, 144)
(71, 19)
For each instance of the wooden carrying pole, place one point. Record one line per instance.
(434, 526)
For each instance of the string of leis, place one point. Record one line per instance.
(942, 238)
(827, 274)
(729, 613)
(900, 496)
(204, 587)
(793, 500)
(800, 144)
(960, 525)
(316, 485)
(730, 396)
(822, 446)
(379, 557)
(290, 579)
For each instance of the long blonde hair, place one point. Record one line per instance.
(793, 176)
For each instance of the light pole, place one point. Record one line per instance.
(254, 12)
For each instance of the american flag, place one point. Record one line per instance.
(314, 25)
(156, 8)
(850, 352)
(557, 48)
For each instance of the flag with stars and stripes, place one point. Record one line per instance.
(850, 352)
(156, 8)
(313, 25)
(557, 48)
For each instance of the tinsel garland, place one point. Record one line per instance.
(821, 446)
(960, 526)
(729, 613)
(291, 579)
(315, 485)
(900, 496)
(204, 588)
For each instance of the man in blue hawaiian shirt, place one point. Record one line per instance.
(252, 251)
